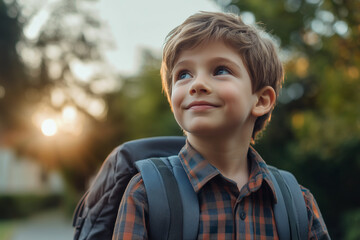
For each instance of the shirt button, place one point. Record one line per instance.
(242, 215)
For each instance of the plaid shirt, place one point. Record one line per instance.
(225, 212)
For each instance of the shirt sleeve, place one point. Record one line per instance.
(133, 212)
(317, 227)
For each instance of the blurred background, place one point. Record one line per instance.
(78, 78)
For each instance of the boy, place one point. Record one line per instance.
(221, 78)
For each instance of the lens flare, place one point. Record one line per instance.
(49, 127)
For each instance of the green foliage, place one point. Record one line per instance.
(351, 225)
(11, 67)
(7, 229)
(33, 68)
(141, 105)
(23, 205)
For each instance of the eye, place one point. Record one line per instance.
(184, 75)
(221, 71)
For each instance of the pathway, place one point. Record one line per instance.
(45, 226)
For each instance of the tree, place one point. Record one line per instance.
(140, 106)
(12, 71)
(52, 70)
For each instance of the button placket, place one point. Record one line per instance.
(239, 219)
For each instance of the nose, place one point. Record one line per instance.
(200, 85)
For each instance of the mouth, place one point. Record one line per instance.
(200, 105)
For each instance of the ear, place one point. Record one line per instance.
(266, 98)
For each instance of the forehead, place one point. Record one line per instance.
(207, 51)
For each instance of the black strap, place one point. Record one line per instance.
(165, 209)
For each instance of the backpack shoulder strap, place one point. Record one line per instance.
(165, 209)
(280, 211)
(299, 202)
(290, 211)
(173, 207)
(190, 202)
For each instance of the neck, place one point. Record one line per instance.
(228, 155)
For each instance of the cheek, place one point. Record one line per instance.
(236, 98)
(176, 96)
(229, 94)
(176, 99)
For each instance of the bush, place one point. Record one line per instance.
(23, 205)
(351, 225)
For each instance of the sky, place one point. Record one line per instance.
(139, 24)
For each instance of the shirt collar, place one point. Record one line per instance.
(200, 171)
(259, 174)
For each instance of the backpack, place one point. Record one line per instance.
(96, 212)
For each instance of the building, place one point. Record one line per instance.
(22, 175)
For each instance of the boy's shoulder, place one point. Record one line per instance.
(136, 188)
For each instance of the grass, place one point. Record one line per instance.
(7, 229)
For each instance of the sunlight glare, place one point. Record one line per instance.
(49, 127)
(248, 17)
(57, 97)
(341, 27)
(32, 30)
(69, 113)
(97, 108)
(81, 70)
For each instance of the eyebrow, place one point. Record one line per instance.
(225, 60)
(184, 62)
(213, 60)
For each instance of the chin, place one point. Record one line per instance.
(204, 130)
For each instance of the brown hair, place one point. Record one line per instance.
(254, 46)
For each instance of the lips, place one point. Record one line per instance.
(200, 105)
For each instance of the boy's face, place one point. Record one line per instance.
(211, 91)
